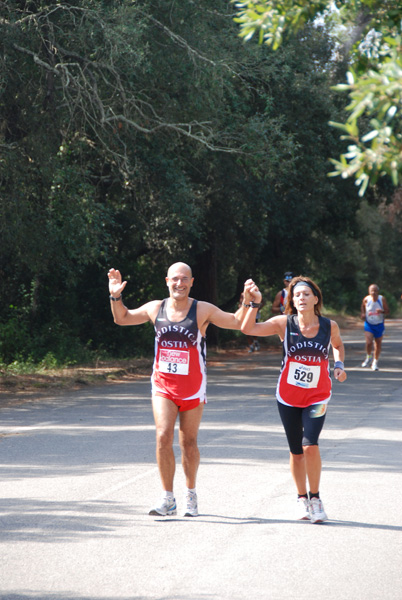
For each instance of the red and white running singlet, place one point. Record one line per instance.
(305, 375)
(180, 356)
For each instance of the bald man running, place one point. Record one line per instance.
(179, 373)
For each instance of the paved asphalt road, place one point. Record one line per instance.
(78, 476)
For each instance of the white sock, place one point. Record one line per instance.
(167, 494)
(192, 491)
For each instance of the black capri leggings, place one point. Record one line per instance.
(302, 425)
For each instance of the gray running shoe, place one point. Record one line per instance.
(190, 501)
(167, 506)
(317, 512)
(374, 366)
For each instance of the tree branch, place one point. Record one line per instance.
(36, 59)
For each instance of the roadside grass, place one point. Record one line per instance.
(27, 379)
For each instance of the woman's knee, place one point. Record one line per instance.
(297, 457)
(311, 449)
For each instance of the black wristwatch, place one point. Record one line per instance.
(255, 304)
(113, 299)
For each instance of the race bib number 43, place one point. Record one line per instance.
(302, 375)
(174, 361)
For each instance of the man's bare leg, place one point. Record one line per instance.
(377, 348)
(369, 342)
(165, 414)
(190, 455)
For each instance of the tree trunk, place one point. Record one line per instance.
(205, 285)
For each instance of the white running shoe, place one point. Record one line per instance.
(191, 503)
(367, 361)
(317, 512)
(302, 509)
(167, 506)
(374, 366)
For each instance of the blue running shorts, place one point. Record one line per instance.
(376, 330)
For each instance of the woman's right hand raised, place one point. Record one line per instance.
(251, 292)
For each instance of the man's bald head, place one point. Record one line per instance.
(181, 267)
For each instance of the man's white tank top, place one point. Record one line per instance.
(372, 316)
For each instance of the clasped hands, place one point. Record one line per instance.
(251, 292)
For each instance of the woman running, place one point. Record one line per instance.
(304, 385)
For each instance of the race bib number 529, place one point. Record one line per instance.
(175, 362)
(302, 375)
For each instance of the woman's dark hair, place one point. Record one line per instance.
(290, 308)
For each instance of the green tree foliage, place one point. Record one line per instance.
(369, 39)
(137, 134)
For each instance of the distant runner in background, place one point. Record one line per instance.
(279, 303)
(373, 311)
